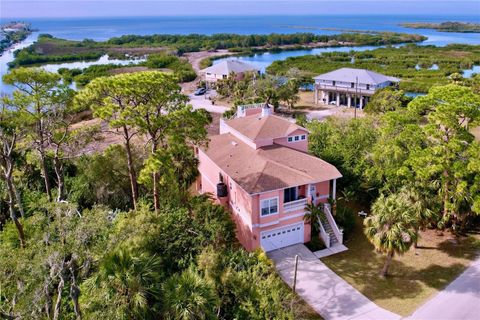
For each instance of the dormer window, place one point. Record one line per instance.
(297, 138)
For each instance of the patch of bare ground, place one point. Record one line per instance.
(476, 133)
(108, 137)
(307, 102)
(196, 57)
(459, 54)
(214, 127)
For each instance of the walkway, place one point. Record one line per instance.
(323, 290)
(459, 300)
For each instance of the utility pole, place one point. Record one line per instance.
(295, 274)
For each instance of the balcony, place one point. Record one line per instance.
(359, 91)
(294, 205)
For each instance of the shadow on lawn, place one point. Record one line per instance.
(466, 248)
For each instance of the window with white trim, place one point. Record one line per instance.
(297, 138)
(268, 206)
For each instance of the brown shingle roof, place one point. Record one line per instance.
(268, 168)
(256, 127)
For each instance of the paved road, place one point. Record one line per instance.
(459, 300)
(323, 290)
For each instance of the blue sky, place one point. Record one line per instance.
(99, 8)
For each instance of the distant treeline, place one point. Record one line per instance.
(197, 42)
(49, 49)
(446, 26)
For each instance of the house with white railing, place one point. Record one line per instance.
(350, 87)
(259, 168)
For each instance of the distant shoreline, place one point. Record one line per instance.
(448, 26)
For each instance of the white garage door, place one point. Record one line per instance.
(281, 237)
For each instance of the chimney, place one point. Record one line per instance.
(266, 111)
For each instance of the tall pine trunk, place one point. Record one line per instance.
(19, 201)
(43, 162)
(75, 292)
(58, 166)
(131, 169)
(58, 303)
(156, 196)
(11, 205)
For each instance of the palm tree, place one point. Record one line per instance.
(391, 228)
(188, 296)
(313, 216)
(420, 206)
(129, 281)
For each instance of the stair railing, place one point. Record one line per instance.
(323, 234)
(333, 224)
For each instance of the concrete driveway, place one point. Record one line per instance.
(459, 300)
(328, 294)
(199, 102)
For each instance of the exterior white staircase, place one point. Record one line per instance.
(329, 231)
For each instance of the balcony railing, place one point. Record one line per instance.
(294, 205)
(358, 91)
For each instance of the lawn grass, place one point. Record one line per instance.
(413, 278)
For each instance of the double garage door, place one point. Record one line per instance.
(281, 237)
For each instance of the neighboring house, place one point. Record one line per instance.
(258, 167)
(225, 68)
(347, 85)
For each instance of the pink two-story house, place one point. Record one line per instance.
(259, 168)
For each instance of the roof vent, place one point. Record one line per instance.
(234, 143)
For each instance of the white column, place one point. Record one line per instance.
(334, 189)
(361, 102)
(338, 99)
(316, 96)
(349, 101)
(327, 97)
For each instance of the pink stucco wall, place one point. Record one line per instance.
(245, 208)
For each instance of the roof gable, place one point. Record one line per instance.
(229, 66)
(256, 127)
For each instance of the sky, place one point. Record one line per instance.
(104, 8)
